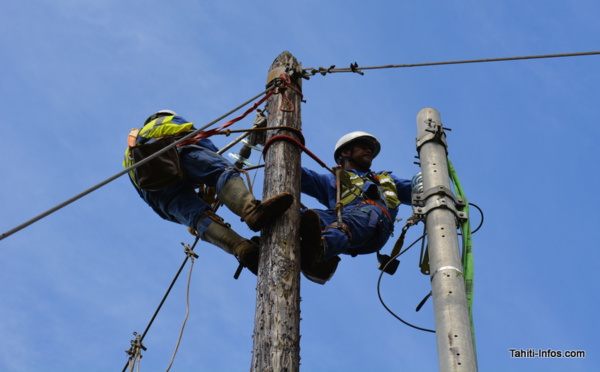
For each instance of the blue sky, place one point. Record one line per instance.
(77, 75)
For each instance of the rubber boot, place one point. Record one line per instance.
(255, 213)
(312, 248)
(246, 251)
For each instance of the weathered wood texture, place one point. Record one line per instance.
(277, 319)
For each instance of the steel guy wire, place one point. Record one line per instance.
(127, 170)
(356, 69)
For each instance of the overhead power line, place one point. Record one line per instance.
(307, 73)
(356, 69)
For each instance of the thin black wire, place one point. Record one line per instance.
(379, 289)
(187, 257)
(127, 170)
(421, 238)
(357, 69)
(480, 222)
(482, 217)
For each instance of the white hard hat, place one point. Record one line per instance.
(159, 114)
(353, 137)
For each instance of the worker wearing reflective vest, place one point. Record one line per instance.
(370, 204)
(200, 164)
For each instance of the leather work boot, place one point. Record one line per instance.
(312, 248)
(255, 213)
(323, 271)
(246, 251)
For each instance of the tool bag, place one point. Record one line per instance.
(160, 172)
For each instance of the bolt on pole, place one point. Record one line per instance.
(456, 351)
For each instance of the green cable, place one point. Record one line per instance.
(467, 253)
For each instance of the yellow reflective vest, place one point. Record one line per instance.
(385, 184)
(158, 128)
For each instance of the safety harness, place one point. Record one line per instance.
(382, 188)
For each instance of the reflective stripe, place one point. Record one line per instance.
(372, 202)
(161, 127)
(385, 184)
(157, 128)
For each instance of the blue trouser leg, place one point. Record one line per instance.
(181, 203)
(369, 230)
(336, 241)
(203, 166)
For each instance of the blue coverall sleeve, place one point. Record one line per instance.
(404, 189)
(316, 185)
(206, 143)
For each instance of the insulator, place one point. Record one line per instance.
(240, 159)
(247, 143)
(417, 183)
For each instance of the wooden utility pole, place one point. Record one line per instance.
(456, 349)
(277, 318)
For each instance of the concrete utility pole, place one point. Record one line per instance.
(438, 204)
(277, 318)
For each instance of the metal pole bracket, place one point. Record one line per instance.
(434, 132)
(420, 198)
(276, 72)
(426, 202)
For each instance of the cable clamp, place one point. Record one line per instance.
(354, 68)
(457, 270)
(189, 251)
(434, 132)
(135, 351)
(279, 74)
(311, 71)
(274, 75)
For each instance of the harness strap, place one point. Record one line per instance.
(373, 202)
(342, 227)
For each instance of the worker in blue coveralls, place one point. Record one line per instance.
(370, 204)
(178, 201)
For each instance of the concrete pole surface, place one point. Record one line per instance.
(453, 333)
